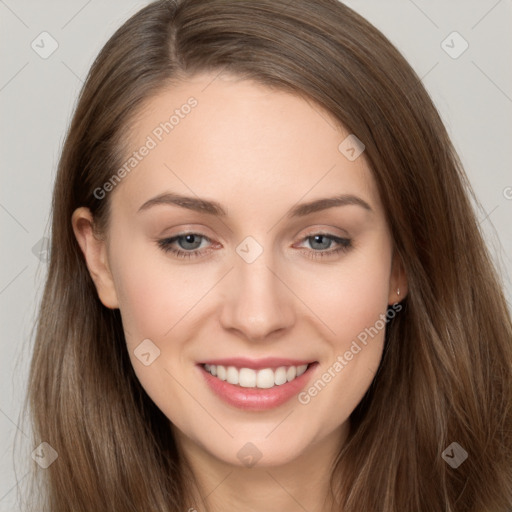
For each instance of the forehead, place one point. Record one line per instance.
(213, 135)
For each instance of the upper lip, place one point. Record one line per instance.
(256, 364)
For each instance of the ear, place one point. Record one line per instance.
(398, 287)
(95, 253)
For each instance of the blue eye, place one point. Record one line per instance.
(325, 241)
(189, 243)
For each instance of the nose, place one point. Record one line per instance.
(258, 302)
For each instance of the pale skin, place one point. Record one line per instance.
(258, 152)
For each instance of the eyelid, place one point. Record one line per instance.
(321, 229)
(184, 229)
(344, 244)
(324, 229)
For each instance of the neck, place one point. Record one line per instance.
(298, 485)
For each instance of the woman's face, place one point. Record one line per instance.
(263, 284)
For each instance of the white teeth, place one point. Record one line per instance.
(280, 376)
(221, 372)
(248, 378)
(232, 375)
(301, 369)
(291, 373)
(265, 379)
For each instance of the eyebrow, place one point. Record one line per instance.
(215, 208)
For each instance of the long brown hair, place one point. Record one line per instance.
(446, 371)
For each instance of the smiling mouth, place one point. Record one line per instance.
(264, 378)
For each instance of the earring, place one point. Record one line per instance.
(398, 292)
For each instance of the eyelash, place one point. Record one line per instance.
(166, 245)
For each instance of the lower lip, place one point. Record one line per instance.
(256, 399)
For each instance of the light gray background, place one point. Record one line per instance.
(472, 92)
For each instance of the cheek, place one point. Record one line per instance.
(354, 307)
(349, 297)
(154, 294)
(154, 299)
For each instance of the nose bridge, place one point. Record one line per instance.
(257, 302)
